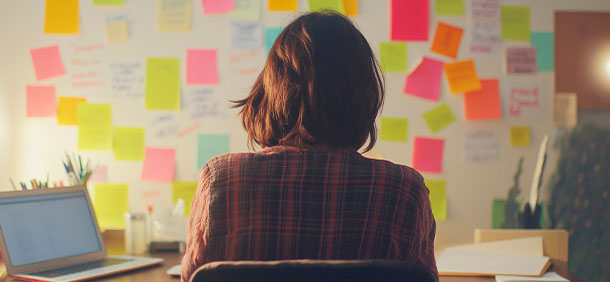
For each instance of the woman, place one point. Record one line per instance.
(309, 194)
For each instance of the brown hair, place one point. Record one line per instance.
(321, 85)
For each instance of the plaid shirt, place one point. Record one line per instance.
(290, 203)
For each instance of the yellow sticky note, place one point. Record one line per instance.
(94, 126)
(66, 110)
(439, 117)
(519, 136)
(129, 144)
(462, 76)
(515, 23)
(394, 129)
(438, 197)
(163, 84)
(61, 16)
(111, 202)
(174, 15)
(116, 32)
(351, 7)
(283, 5)
(186, 191)
(393, 56)
(335, 5)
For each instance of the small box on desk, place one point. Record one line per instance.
(554, 241)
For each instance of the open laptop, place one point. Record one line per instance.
(53, 235)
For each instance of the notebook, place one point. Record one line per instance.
(53, 235)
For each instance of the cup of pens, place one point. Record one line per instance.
(77, 173)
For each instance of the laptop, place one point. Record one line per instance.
(52, 235)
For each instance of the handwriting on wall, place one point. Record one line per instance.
(484, 26)
(127, 79)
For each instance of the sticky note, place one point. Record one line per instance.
(428, 154)
(66, 110)
(425, 80)
(61, 17)
(484, 26)
(409, 20)
(211, 145)
(394, 129)
(519, 136)
(174, 15)
(40, 101)
(116, 32)
(462, 76)
(246, 35)
(111, 202)
(100, 174)
(545, 52)
(94, 126)
(271, 33)
(335, 5)
(108, 2)
(129, 143)
(201, 66)
(393, 56)
(484, 103)
(449, 7)
(283, 5)
(438, 197)
(565, 110)
(447, 40)
(162, 84)
(185, 191)
(217, 6)
(497, 213)
(159, 164)
(520, 60)
(351, 8)
(47, 62)
(515, 21)
(247, 9)
(439, 117)
(480, 146)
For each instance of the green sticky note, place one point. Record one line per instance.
(109, 2)
(111, 203)
(317, 5)
(94, 126)
(163, 84)
(394, 129)
(129, 144)
(515, 22)
(497, 213)
(545, 52)
(438, 197)
(449, 7)
(271, 33)
(186, 191)
(439, 117)
(211, 145)
(247, 9)
(393, 56)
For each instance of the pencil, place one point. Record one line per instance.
(13, 184)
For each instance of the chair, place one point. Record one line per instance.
(311, 270)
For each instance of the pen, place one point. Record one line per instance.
(23, 187)
(13, 184)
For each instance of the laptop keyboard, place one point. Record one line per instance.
(78, 267)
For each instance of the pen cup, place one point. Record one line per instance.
(136, 233)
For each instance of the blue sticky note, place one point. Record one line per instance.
(271, 33)
(543, 41)
(211, 145)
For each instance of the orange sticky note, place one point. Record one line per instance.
(351, 7)
(61, 16)
(484, 103)
(40, 101)
(67, 110)
(447, 40)
(462, 76)
(283, 5)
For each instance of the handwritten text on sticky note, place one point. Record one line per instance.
(462, 76)
(520, 60)
(174, 15)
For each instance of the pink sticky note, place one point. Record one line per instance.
(100, 174)
(425, 80)
(409, 20)
(201, 67)
(159, 164)
(428, 154)
(47, 62)
(40, 101)
(217, 6)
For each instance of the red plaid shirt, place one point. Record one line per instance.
(291, 203)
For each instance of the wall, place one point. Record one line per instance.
(38, 144)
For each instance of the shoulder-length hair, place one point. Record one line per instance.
(321, 85)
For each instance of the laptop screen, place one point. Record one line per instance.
(40, 228)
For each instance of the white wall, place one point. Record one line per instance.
(37, 145)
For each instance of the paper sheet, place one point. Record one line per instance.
(481, 146)
(439, 117)
(66, 110)
(210, 145)
(454, 261)
(484, 26)
(428, 154)
(40, 101)
(100, 174)
(246, 35)
(61, 16)
(116, 32)
(409, 20)
(94, 126)
(335, 5)
(111, 203)
(521, 60)
(515, 22)
(484, 103)
(545, 50)
(529, 246)
(519, 136)
(163, 84)
(449, 7)
(271, 33)
(173, 15)
(447, 40)
(201, 66)
(523, 97)
(547, 277)
(247, 10)
(217, 6)
(109, 2)
(186, 191)
(394, 129)
(351, 8)
(47, 62)
(462, 76)
(425, 80)
(129, 143)
(565, 110)
(497, 213)
(438, 198)
(393, 56)
(159, 164)
(283, 5)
